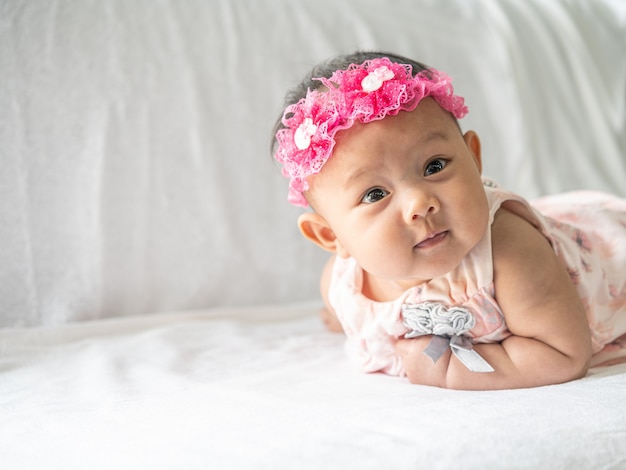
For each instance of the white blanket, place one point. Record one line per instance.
(271, 389)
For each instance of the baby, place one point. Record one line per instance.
(436, 273)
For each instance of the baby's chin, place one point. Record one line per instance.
(401, 281)
(407, 281)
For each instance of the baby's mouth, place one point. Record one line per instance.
(432, 240)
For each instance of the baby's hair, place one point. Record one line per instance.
(327, 68)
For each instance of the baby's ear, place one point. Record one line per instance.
(473, 143)
(315, 228)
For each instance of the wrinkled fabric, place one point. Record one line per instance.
(270, 388)
(136, 175)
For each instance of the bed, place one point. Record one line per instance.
(158, 307)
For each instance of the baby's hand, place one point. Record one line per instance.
(331, 321)
(420, 368)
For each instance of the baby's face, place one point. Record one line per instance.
(404, 195)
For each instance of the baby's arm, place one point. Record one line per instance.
(327, 313)
(551, 342)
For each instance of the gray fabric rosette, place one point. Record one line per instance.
(447, 325)
(430, 318)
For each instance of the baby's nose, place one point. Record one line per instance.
(420, 203)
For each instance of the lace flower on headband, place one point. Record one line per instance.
(366, 92)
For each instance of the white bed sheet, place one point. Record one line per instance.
(270, 388)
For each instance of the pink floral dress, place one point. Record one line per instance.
(587, 230)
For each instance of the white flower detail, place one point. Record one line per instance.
(430, 318)
(303, 134)
(375, 79)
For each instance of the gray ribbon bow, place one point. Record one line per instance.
(447, 325)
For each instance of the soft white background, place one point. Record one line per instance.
(135, 174)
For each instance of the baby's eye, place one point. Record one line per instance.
(435, 166)
(374, 195)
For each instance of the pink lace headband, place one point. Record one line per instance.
(367, 92)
